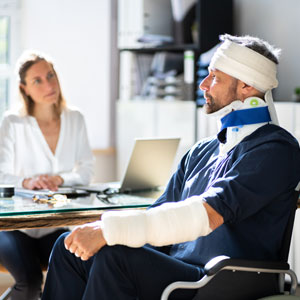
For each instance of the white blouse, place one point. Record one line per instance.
(25, 153)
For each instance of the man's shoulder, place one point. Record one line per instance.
(268, 136)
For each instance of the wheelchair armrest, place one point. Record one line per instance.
(224, 262)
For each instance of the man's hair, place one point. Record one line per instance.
(256, 44)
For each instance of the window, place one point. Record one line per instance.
(4, 62)
(8, 48)
(4, 39)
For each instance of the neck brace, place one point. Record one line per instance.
(246, 117)
(235, 105)
(250, 67)
(240, 127)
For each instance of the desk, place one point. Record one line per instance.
(23, 213)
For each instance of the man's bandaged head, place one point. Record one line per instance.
(248, 66)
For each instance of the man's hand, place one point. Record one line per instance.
(215, 219)
(85, 240)
(43, 182)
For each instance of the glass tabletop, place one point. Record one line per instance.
(16, 205)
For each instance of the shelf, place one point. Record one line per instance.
(170, 48)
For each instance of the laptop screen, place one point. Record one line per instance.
(150, 164)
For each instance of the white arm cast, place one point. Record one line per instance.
(170, 223)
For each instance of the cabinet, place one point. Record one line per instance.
(178, 42)
(153, 118)
(287, 113)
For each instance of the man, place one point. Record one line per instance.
(228, 196)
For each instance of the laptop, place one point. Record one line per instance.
(148, 168)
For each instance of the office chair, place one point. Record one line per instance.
(235, 279)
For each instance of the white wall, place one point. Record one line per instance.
(76, 33)
(278, 22)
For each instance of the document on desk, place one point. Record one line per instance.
(68, 191)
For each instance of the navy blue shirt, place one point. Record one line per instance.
(250, 187)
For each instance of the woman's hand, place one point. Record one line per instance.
(43, 182)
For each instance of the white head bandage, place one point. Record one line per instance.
(248, 66)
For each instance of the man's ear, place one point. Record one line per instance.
(246, 90)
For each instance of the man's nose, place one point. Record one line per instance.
(204, 84)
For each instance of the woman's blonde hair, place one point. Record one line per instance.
(25, 62)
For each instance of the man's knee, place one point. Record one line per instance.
(59, 246)
(114, 255)
(108, 252)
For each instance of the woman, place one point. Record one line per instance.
(42, 146)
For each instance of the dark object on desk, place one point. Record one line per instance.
(7, 190)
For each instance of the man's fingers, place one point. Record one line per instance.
(85, 240)
(85, 256)
(78, 253)
(68, 240)
(73, 248)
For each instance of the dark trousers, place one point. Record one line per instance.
(22, 256)
(116, 272)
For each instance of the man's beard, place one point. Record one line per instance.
(214, 104)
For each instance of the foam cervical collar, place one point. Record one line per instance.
(241, 119)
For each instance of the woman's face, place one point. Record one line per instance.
(41, 84)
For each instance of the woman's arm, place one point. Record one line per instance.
(82, 172)
(7, 154)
